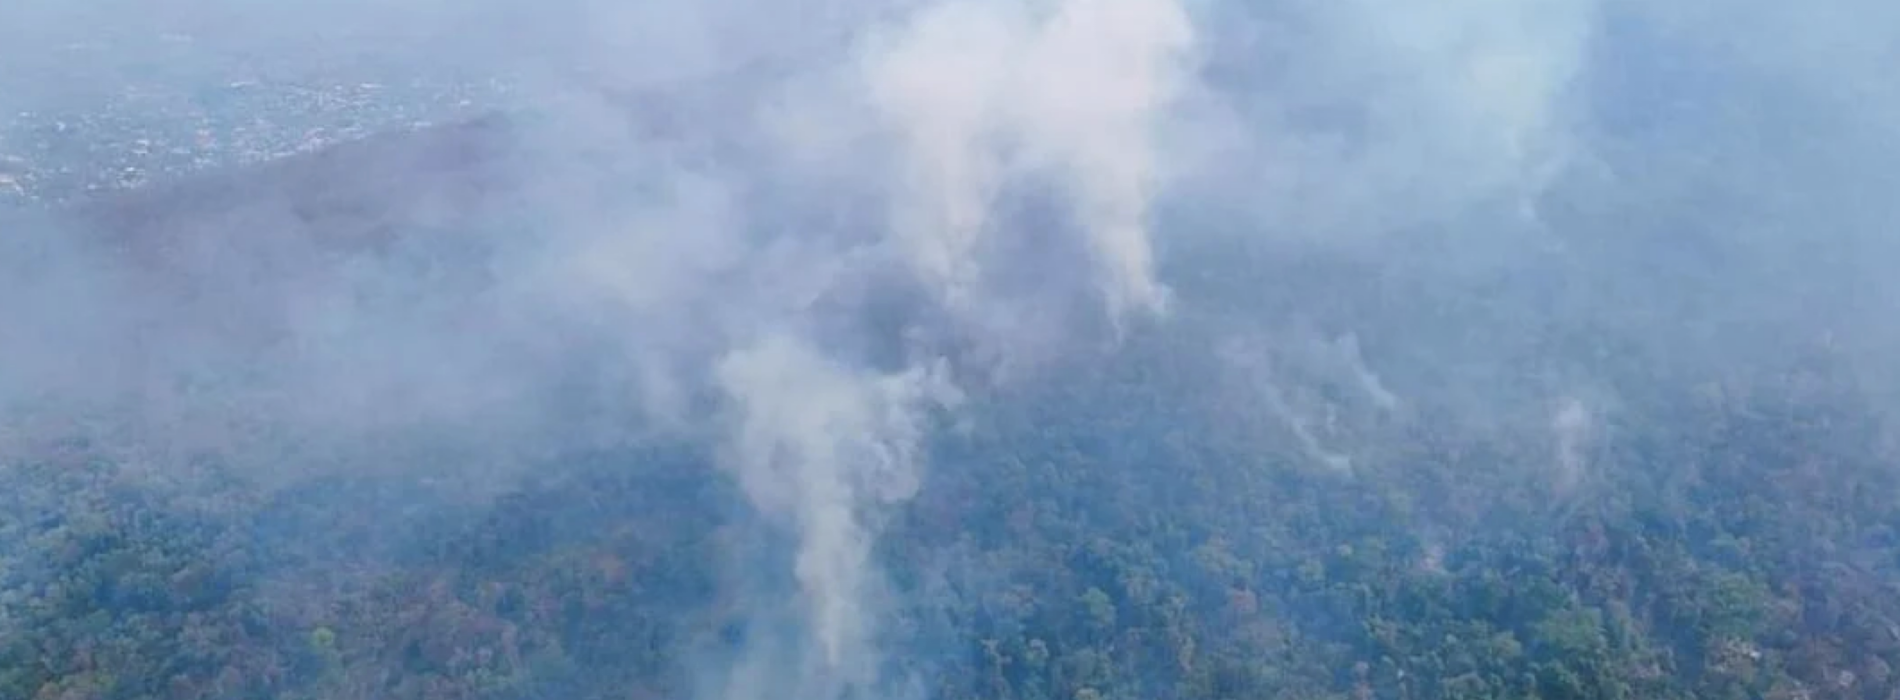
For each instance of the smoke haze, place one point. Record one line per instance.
(809, 234)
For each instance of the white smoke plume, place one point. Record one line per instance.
(984, 93)
(979, 95)
(820, 448)
(849, 154)
(817, 162)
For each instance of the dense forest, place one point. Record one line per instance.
(1486, 351)
(1103, 532)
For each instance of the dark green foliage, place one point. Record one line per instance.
(119, 591)
(1088, 538)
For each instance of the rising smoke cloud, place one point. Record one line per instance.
(983, 92)
(719, 302)
(978, 94)
(718, 274)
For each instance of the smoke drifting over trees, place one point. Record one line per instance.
(946, 348)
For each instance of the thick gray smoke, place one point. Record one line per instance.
(695, 297)
(974, 95)
(985, 92)
(809, 230)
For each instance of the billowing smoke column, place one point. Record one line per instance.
(973, 97)
(817, 445)
(716, 287)
(962, 162)
(964, 101)
(986, 92)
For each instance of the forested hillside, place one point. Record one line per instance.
(1100, 534)
(949, 350)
